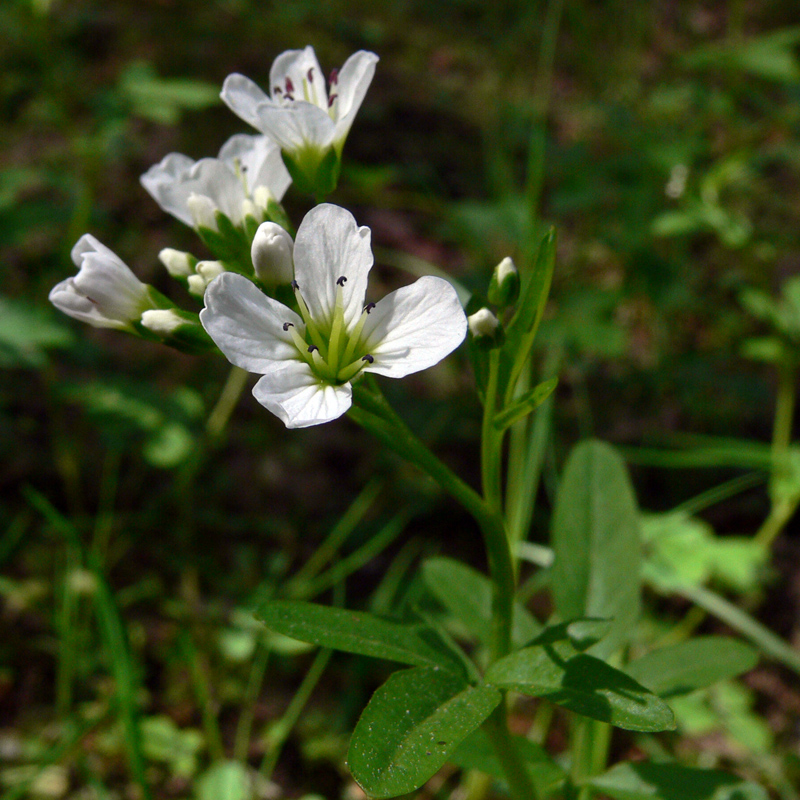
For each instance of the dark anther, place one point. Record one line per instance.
(341, 281)
(289, 96)
(334, 79)
(287, 325)
(312, 348)
(311, 75)
(295, 285)
(243, 167)
(289, 84)
(369, 307)
(331, 100)
(368, 358)
(277, 90)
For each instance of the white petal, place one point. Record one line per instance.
(292, 392)
(69, 301)
(414, 328)
(297, 125)
(247, 325)
(260, 159)
(243, 97)
(354, 80)
(329, 245)
(296, 65)
(88, 244)
(159, 181)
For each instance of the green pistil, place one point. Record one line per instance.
(332, 356)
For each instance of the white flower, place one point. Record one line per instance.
(104, 293)
(308, 359)
(306, 118)
(247, 174)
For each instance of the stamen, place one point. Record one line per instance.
(334, 78)
(351, 370)
(287, 325)
(355, 335)
(289, 85)
(310, 324)
(310, 74)
(341, 281)
(277, 90)
(368, 358)
(332, 100)
(312, 348)
(369, 307)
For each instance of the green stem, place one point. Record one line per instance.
(519, 781)
(372, 412)
(281, 730)
(229, 397)
(245, 726)
(491, 441)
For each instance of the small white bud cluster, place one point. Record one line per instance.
(204, 273)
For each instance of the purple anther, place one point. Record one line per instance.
(334, 79)
(341, 281)
(295, 285)
(331, 100)
(289, 85)
(277, 90)
(287, 325)
(312, 348)
(369, 307)
(310, 75)
(368, 358)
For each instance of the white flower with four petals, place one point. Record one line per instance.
(309, 120)
(247, 175)
(308, 359)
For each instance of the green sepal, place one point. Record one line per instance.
(314, 171)
(228, 244)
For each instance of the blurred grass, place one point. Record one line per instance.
(666, 150)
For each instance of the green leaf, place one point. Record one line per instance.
(529, 402)
(693, 664)
(476, 752)
(646, 781)
(411, 726)
(26, 332)
(596, 543)
(468, 596)
(357, 632)
(226, 780)
(583, 684)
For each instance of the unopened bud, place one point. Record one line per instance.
(272, 254)
(162, 321)
(177, 263)
(208, 270)
(485, 329)
(263, 198)
(504, 285)
(177, 328)
(203, 211)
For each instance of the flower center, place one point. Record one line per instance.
(313, 89)
(335, 354)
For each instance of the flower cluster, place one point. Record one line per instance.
(292, 310)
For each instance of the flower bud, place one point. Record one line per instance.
(272, 254)
(485, 328)
(504, 285)
(179, 329)
(177, 263)
(104, 293)
(203, 211)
